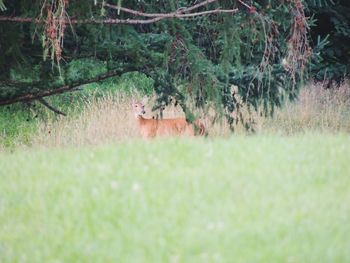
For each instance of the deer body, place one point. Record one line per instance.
(150, 128)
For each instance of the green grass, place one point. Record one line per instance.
(17, 126)
(244, 199)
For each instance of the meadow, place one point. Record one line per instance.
(242, 199)
(85, 188)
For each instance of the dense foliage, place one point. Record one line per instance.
(262, 48)
(332, 29)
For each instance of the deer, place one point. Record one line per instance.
(150, 128)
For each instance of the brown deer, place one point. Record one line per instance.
(150, 128)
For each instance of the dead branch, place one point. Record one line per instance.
(19, 19)
(80, 21)
(251, 9)
(155, 17)
(179, 11)
(118, 21)
(245, 4)
(46, 104)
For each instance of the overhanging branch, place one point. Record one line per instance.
(179, 11)
(154, 17)
(111, 21)
(57, 90)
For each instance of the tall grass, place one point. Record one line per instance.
(97, 119)
(106, 119)
(316, 109)
(102, 120)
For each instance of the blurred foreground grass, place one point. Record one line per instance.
(242, 199)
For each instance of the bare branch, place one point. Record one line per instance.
(19, 19)
(120, 21)
(81, 21)
(245, 4)
(188, 9)
(251, 9)
(46, 104)
(155, 17)
(179, 11)
(207, 13)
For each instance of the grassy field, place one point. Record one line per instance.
(241, 199)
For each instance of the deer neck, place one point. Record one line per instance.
(141, 120)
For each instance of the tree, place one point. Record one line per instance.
(195, 52)
(331, 36)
